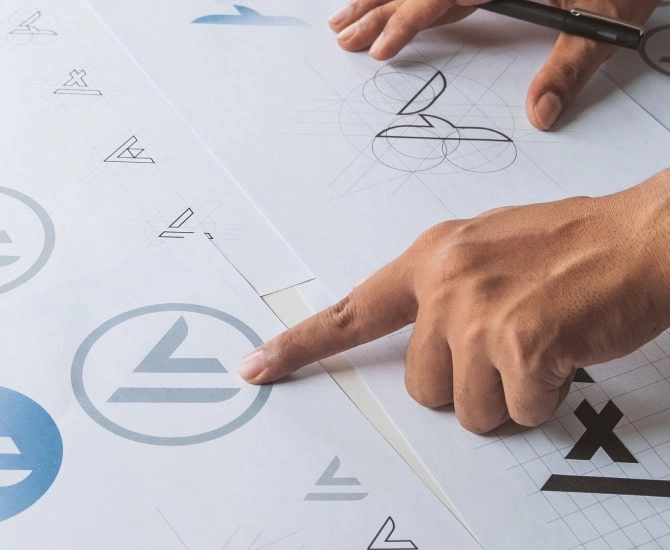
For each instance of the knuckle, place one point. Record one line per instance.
(529, 417)
(429, 396)
(479, 425)
(342, 315)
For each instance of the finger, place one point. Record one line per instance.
(428, 371)
(381, 304)
(363, 31)
(352, 12)
(571, 64)
(533, 399)
(407, 21)
(479, 399)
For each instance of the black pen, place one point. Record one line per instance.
(576, 21)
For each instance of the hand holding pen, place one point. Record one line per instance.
(386, 26)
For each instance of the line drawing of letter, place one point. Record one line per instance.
(248, 16)
(76, 85)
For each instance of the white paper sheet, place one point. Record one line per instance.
(127, 427)
(97, 166)
(645, 76)
(307, 128)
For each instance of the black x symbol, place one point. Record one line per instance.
(599, 433)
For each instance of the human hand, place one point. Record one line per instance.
(386, 26)
(506, 305)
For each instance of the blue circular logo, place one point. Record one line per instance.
(31, 452)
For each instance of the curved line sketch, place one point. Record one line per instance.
(248, 16)
(411, 147)
(442, 83)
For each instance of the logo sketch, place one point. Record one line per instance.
(26, 29)
(383, 540)
(128, 153)
(76, 85)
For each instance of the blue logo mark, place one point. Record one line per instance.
(247, 16)
(31, 452)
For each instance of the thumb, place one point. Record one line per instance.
(571, 64)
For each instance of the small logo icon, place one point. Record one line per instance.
(31, 452)
(329, 480)
(160, 375)
(247, 16)
(128, 153)
(76, 85)
(383, 540)
(26, 29)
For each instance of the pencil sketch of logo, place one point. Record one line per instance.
(129, 153)
(31, 452)
(655, 49)
(77, 85)
(161, 375)
(27, 238)
(28, 29)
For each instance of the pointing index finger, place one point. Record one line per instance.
(380, 305)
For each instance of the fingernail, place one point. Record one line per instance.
(376, 44)
(251, 365)
(347, 33)
(340, 15)
(547, 109)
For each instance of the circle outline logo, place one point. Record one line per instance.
(49, 239)
(77, 377)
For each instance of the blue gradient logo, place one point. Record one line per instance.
(248, 16)
(31, 452)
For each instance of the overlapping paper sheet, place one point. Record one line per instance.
(645, 75)
(124, 425)
(97, 166)
(352, 158)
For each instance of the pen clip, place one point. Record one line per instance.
(591, 15)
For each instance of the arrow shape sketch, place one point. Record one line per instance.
(383, 541)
